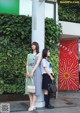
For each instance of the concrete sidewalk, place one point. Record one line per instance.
(67, 102)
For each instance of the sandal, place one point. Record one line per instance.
(31, 108)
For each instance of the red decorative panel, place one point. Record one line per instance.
(68, 65)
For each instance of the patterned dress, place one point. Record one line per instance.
(37, 77)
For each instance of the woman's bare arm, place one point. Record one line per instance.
(27, 66)
(38, 62)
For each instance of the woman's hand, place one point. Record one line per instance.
(27, 74)
(52, 78)
(31, 74)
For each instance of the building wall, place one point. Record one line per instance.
(70, 28)
(26, 8)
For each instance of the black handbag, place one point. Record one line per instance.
(52, 87)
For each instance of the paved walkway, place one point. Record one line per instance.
(67, 102)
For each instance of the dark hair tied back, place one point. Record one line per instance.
(44, 53)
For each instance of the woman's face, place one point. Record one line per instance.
(33, 47)
(48, 53)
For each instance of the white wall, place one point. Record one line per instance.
(70, 28)
(49, 10)
(26, 8)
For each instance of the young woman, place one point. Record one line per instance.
(47, 74)
(35, 73)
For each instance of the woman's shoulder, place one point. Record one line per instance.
(39, 54)
(30, 55)
(44, 60)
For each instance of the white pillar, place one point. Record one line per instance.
(38, 22)
(38, 32)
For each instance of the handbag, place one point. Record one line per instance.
(31, 87)
(52, 87)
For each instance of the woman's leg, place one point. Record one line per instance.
(31, 101)
(32, 98)
(46, 92)
(46, 98)
(34, 101)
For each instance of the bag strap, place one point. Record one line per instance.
(32, 80)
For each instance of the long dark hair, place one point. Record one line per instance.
(37, 46)
(44, 53)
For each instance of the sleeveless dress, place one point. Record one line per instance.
(37, 77)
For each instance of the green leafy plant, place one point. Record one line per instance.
(69, 12)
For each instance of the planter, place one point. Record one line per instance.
(13, 97)
(17, 97)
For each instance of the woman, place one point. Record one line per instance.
(36, 74)
(47, 74)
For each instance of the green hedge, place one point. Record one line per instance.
(69, 12)
(15, 43)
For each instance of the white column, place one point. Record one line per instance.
(38, 22)
(38, 32)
